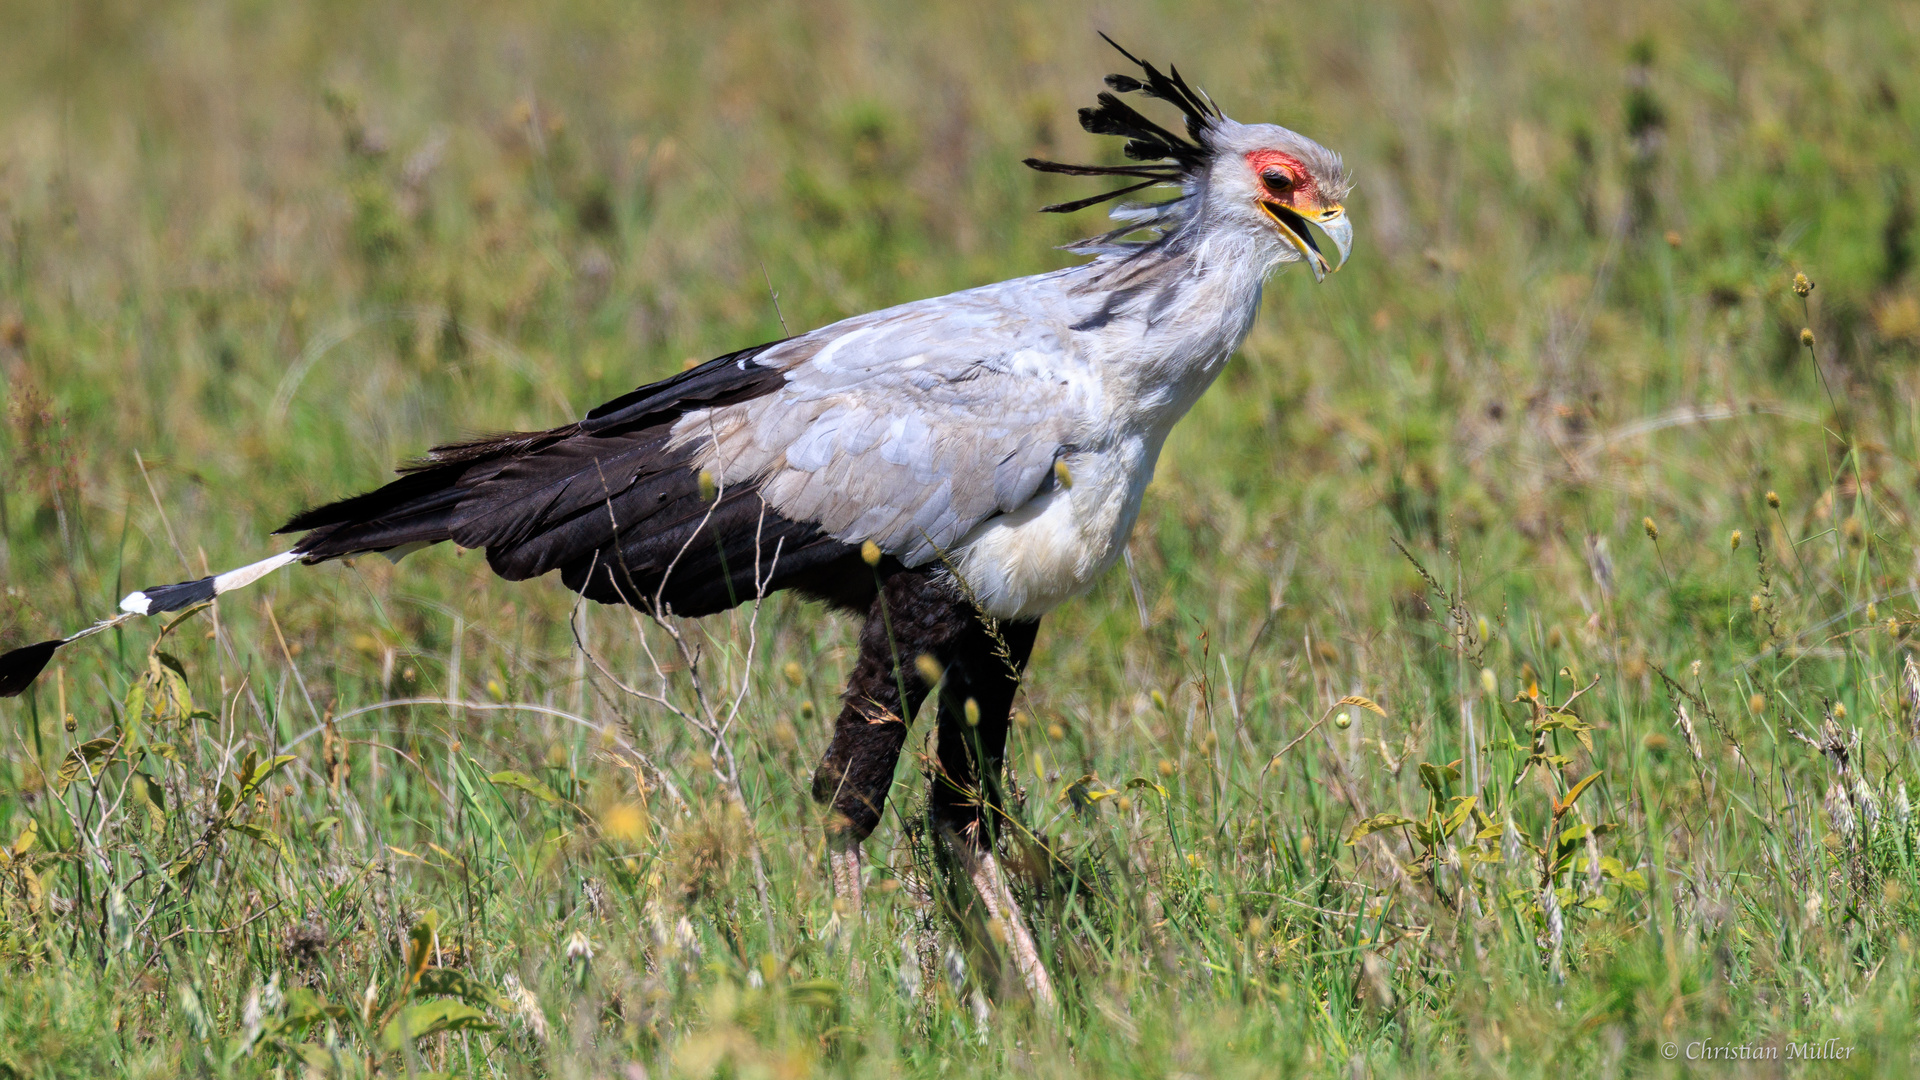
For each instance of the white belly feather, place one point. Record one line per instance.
(1023, 564)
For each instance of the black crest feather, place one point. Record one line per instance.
(1176, 156)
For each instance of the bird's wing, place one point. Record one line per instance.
(907, 427)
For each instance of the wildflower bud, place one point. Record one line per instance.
(1343, 721)
(1801, 285)
(1063, 474)
(1056, 732)
(1773, 499)
(1488, 683)
(1757, 703)
(870, 553)
(1159, 700)
(1653, 531)
(972, 712)
(1733, 542)
(1873, 615)
(1166, 767)
(806, 710)
(708, 487)
(1839, 710)
(1806, 337)
(1754, 603)
(794, 673)
(70, 723)
(1673, 239)
(1123, 804)
(1893, 627)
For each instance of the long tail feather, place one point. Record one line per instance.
(19, 668)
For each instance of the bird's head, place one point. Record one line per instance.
(1258, 180)
(1271, 180)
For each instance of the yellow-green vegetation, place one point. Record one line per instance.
(1550, 474)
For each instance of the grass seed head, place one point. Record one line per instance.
(795, 675)
(1773, 499)
(708, 487)
(929, 668)
(1653, 531)
(1489, 683)
(1733, 541)
(1802, 285)
(972, 712)
(870, 553)
(1757, 704)
(1806, 336)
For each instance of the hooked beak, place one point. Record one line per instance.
(1332, 220)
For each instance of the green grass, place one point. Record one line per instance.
(252, 254)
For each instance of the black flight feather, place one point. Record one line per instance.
(20, 667)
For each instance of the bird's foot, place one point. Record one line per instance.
(990, 881)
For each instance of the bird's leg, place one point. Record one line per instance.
(912, 616)
(976, 698)
(848, 867)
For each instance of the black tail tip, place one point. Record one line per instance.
(20, 667)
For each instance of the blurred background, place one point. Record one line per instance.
(253, 254)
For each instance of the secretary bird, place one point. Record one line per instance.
(952, 468)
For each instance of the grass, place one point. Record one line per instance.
(374, 818)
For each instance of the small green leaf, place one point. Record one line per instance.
(81, 759)
(448, 982)
(1143, 782)
(305, 1006)
(533, 787)
(430, 1018)
(266, 836)
(815, 993)
(1458, 815)
(260, 774)
(1375, 824)
(1437, 779)
(419, 952)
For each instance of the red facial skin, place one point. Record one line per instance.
(1305, 192)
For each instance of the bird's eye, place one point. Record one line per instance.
(1277, 181)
